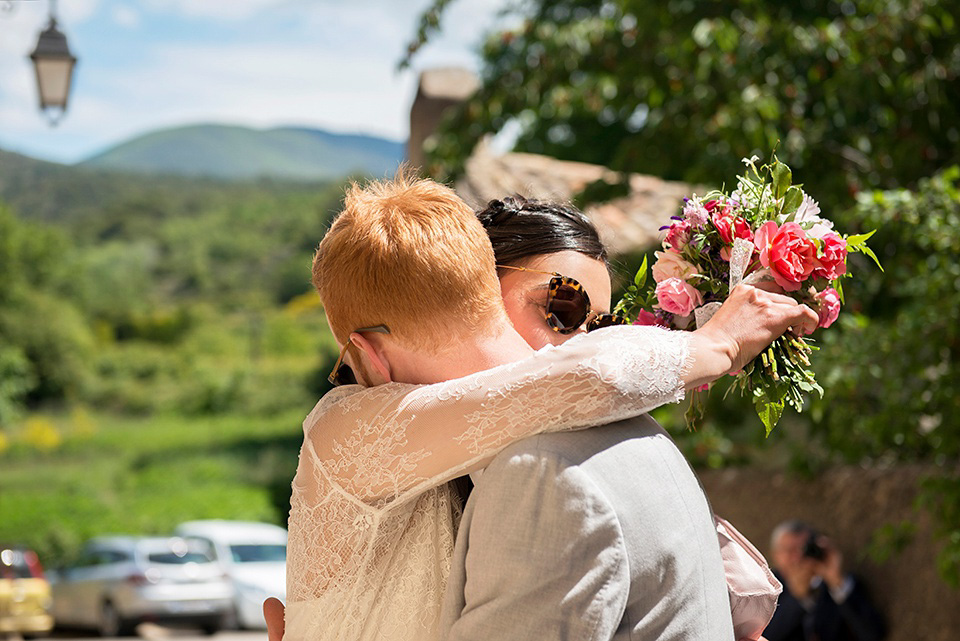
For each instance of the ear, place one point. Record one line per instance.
(375, 354)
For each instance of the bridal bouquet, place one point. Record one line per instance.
(767, 228)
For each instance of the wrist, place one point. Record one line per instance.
(722, 348)
(712, 358)
(840, 592)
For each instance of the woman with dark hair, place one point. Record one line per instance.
(553, 269)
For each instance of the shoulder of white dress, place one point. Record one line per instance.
(349, 399)
(327, 401)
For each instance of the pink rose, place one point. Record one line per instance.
(678, 297)
(829, 306)
(741, 228)
(678, 235)
(730, 226)
(787, 251)
(670, 265)
(833, 257)
(647, 318)
(719, 206)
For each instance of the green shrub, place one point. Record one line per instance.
(55, 339)
(893, 369)
(855, 95)
(16, 379)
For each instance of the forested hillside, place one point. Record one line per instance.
(77, 196)
(142, 278)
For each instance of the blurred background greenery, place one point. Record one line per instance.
(159, 346)
(159, 342)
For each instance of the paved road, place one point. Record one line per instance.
(150, 632)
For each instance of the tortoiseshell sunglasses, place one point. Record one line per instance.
(568, 305)
(342, 373)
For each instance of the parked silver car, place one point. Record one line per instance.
(253, 555)
(122, 581)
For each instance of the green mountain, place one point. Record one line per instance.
(239, 153)
(83, 197)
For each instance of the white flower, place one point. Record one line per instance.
(741, 198)
(749, 161)
(808, 215)
(809, 209)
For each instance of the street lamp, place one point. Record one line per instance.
(54, 66)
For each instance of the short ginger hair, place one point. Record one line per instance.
(410, 254)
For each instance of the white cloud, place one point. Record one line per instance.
(126, 16)
(35, 13)
(233, 10)
(76, 11)
(20, 31)
(269, 84)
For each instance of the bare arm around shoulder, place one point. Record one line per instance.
(394, 441)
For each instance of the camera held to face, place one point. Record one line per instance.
(812, 549)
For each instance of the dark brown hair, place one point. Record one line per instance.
(520, 228)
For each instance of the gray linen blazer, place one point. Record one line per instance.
(597, 534)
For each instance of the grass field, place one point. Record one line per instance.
(112, 475)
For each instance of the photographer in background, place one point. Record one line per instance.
(820, 602)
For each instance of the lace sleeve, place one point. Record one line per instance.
(386, 443)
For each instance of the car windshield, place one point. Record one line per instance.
(172, 558)
(258, 553)
(179, 552)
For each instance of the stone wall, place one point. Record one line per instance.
(848, 504)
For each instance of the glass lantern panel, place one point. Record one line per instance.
(53, 81)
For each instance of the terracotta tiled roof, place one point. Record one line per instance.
(626, 224)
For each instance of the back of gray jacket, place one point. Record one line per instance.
(603, 533)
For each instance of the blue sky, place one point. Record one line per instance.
(149, 64)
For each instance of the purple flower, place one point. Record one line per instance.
(695, 213)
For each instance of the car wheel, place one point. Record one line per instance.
(210, 628)
(110, 623)
(231, 619)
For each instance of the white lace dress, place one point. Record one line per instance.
(373, 517)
